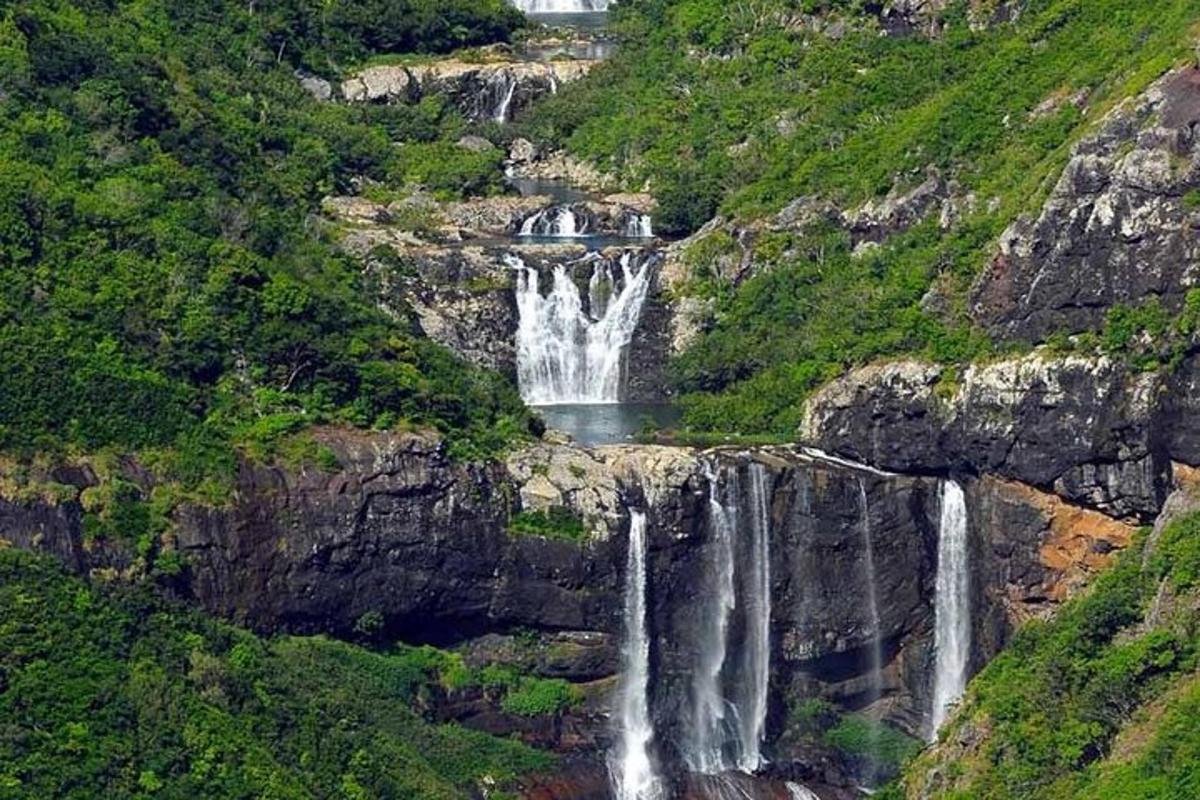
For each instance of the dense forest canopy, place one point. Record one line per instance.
(164, 281)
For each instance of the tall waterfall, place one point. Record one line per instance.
(705, 750)
(565, 355)
(876, 645)
(729, 690)
(560, 6)
(952, 606)
(633, 775)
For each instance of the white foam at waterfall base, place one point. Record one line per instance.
(952, 606)
(729, 690)
(798, 792)
(563, 355)
(632, 767)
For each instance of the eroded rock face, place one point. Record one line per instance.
(1086, 428)
(1118, 228)
(483, 91)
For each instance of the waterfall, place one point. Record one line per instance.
(728, 726)
(876, 678)
(632, 769)
(705, 752)
(756, 651)
(952, 606)
(509, 88)
(565, 355)
(560, 6)
(639, 226)
(559, 222)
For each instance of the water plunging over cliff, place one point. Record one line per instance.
(639, 226)
(566, 354)
(876, 646)
(560, 6)
(729, 695)
(557, 222)
(632, 768)
(952, 606)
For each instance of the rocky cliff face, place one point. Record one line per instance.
(401, 533)
(483, 91)
(1087, 429)
(1120, 226)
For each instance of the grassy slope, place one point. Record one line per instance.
(113, 693)
(723, 109)
(1098, 703)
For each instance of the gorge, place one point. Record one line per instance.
(634, 401)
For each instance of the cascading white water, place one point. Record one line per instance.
(756, 651)
(565, 356)
(704, 751)
(876, 645)
(798, 792)
(728, 726)
(952, 606)
(508, 89)
(558, 222)
(560, 6)
(639, 226)
(632, 768)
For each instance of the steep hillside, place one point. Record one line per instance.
(864, 179)
(1099, 702)
(112, 692)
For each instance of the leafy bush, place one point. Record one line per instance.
(113, 692)
(535, 697)
(554, 523)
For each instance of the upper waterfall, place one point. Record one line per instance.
(952, 606)
(632, 767)
(560, 6)
(566, 354)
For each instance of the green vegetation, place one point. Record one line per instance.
(878, 749)
(110, 692)
(554, 523)
(164, 282)
(1104, 671)
(729, 109)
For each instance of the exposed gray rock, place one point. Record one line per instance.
(487, 90)
(1085, 428)
(1118, 227)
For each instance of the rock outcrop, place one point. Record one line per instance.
(1088, 429)
(482, 91)
(1120, 227)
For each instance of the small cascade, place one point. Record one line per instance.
(505, 87)
(731, 680)
(561, 6)
(632, 768)
(638, 226)
(567, 355)
(952, 606)
(558, 222)
(798, 792)
(876, 645)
